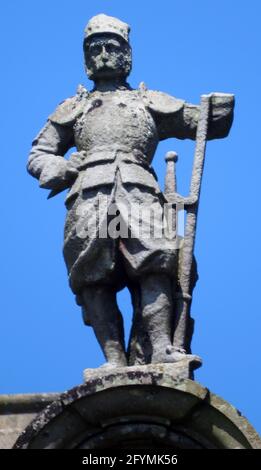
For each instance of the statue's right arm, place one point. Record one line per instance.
(46, 161)
(176, 118)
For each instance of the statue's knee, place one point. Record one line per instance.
(98, 294)
(89, 295)
(155, 282)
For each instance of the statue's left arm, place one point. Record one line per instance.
(176, 118)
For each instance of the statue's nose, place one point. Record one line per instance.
(104, 55)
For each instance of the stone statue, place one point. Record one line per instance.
(115, 130)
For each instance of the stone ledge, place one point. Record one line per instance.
(176, 371)
(17, 411)
(27, 402)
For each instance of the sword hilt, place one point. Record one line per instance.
(170, 178)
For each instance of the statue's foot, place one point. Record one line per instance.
(173, 355)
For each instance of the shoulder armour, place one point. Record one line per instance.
(67, 111)
(162, 103)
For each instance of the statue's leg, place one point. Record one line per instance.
(156, 304)
(107, 322)
(139, 348)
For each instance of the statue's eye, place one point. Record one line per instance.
(95, 50)
(112, 47)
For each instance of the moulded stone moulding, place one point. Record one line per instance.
(139, 407)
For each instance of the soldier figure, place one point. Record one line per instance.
(115, 130)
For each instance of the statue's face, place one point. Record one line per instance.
(106, 57)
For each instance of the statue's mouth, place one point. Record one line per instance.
(106, 67)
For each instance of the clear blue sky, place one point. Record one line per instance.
(185, 49)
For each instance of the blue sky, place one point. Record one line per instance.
(185, 49)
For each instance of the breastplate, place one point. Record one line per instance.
(116, 121)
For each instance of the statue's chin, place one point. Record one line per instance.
(107, 73)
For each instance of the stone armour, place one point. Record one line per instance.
(116, 135)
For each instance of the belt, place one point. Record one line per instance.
(82, 160)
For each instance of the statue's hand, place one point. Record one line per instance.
(222, 99)
(221, 115)
(77, 159)
(57, 173)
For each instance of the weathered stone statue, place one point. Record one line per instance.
(115, 130)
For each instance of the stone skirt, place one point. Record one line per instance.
(117, 233)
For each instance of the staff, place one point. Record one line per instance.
(183, 297)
